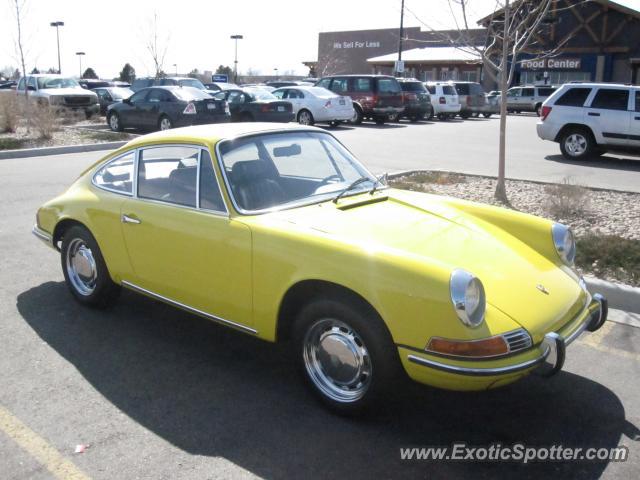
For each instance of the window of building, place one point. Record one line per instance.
(469, 76)
(611, 99)
(574, 97)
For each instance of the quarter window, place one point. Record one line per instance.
(611, 99)
(169, 174)
(362, 85)
(574, 97)
(117, 175)
(210, 196)
(527, 92)
(340, 85)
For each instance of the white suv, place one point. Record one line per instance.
(587, 119)
(444, 99)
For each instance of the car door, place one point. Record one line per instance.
(609, 116)
(513, 98)
(155, 103)
(296, 98)
(183, 248)
(634, 123)
(527, 99)
(235, 99)
(131, 116)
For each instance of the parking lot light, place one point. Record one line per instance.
(235, 61)
(58, 24)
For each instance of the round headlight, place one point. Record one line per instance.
(564, 242)
(467, 296)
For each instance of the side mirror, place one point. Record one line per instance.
(127, 101)
(31, 88)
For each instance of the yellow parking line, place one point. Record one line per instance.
(595, 339)
(38, 448)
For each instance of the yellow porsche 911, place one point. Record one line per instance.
(279, 232)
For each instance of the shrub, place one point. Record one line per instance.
(9, 112)
(616, 256)
(566, 200)
(45, 119)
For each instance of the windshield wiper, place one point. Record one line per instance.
(350, 187)
(380, 181)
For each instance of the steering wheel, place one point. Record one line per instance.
(326, 180)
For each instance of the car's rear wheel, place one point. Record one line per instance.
(114, 122)
(577, 144)
(394, 117)
(305, 117)
(357, 115)
(380, 120)
(486, 115)
(165, 123)
(465, 115)
(85, 270)
(345, 354)
(443, 117)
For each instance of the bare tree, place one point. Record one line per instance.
(157, 47)
(19, 9)
(329, 64)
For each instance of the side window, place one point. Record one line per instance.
(324, 83)
(117, 175)
(637, 100)
(574, 97)
(169, 174)
(513, 92)
(31, 82)
(362, 85)
(340, 85)
(295, 94)
(210, 196)
(431, 89)
(21, 84)
(236, 98)
(527, 92)
(279, 94)
(158, 95)
(611, 99)
(138, 96)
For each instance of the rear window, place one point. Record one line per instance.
(611, 99)
(362, 85)
(388, 85)
(190, 93)
(462, 88)
(545, 92)
(448, 90)
(413, 87)
(574, 97)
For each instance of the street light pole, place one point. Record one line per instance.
(57, 25)
(400, 39)
(80, 54)
(176, 67)
(235, 61)
(276, 72)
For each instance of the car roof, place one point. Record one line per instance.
(597, 84)
(213, 133)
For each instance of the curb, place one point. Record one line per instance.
(42, 151)
(620, 296)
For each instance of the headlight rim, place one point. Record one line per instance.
(459, 283)
(559, 231)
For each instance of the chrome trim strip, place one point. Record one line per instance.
(479, 372)
(43, 236)
(189, 309)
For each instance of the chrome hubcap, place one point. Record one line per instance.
(337, 360)
(576, 144)
(165, 124)
(81, 267)
(113, 120)
(305, 119)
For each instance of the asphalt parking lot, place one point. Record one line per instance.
(157, 393)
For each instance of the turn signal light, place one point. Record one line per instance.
(487, 347)
(190, 109)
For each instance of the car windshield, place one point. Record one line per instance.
(280, 169)
(413, 87)
(260, 94)
(56, 82)
(190, 93)
(192, 82)
(120, 93)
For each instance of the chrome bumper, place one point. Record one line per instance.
(553, 349)
(46, 237)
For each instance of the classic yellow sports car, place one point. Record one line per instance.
(279, 232)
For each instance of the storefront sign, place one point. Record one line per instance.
(552, 64)
(356, 44)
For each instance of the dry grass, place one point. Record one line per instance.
(566, 200)
(45, 120)
(9, 112)
(439, 178)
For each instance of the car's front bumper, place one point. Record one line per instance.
(547, 357)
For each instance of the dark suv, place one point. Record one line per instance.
(472, 99)
(416, 100)
(140, 83)
(374, 96)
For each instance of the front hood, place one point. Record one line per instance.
(428, 229)
(59, 92)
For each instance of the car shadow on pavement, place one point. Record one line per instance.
(214, 392)
(386, 126)
(608, 162)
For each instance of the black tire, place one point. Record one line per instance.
(430, 114)
(305, 114)
(486, 115)
(357, 116)
(394, 117)
(381, 364)
(380, 120)
(577, 144)
(443, 117)
(98, 290)
(164, 123)
(334, 123)
(114, 122)
(465, 115)
(538, 109)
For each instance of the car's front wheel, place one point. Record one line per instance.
(305, 118)
(345, 353)
(577, 144)
(114, 122)
(85, 270)
(164, 123)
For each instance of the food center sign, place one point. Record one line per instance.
(552, 64)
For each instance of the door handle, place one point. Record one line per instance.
(637, 118)
(128, 219)
(593, 114)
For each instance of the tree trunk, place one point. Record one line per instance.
(501, 191)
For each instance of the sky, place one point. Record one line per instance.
(277, 33)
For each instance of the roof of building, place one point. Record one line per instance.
(430, 55)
